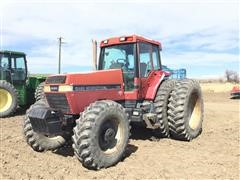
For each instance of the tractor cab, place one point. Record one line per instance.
(138, 57)
(13, 67)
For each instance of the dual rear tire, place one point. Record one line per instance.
(185, 110)
(179, 108)
(161, 106)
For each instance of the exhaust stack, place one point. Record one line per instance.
(94, 44)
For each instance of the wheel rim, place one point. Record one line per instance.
(6, 100)
(195, 109)
(110, 136)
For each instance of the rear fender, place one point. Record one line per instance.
(154, 82)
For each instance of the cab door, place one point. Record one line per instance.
(18, 68)
(149, 64)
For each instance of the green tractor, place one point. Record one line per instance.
(17, 89)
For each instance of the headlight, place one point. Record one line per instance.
(58, 88)
(65, 88)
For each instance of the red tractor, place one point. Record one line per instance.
(235, 92)
(95, 109)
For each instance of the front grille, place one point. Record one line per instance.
(56, 80)
(96, 87)
(58, 101)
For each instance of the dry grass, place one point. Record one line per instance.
(217, 87)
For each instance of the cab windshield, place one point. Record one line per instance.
(120, 57)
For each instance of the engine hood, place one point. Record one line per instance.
(102, 77)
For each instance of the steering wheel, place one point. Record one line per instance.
(120, 59)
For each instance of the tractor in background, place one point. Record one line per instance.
(96, 109)
(16, 87)
(235, 92)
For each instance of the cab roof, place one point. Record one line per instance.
(128, 39)
(12, 52)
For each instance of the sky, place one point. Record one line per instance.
(201, 36)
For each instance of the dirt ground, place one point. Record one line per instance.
(214, 154)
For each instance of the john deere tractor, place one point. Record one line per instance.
(16, 88)
(95, 109)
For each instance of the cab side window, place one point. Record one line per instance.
(4, 62)
(145, 59)
(155, 56)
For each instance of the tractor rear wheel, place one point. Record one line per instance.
(185, 112)
(9, 99)
(37, 141)
(39, 92)
(101, 134)
(161, 106)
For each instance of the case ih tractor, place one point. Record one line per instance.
(235, 92)
(16, 88)
(95, 109)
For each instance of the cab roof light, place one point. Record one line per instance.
(105, 41)
(122, 39)
(129, 39)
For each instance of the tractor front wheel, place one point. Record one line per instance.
(101, 134)
(8, 99)
(39, 92)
